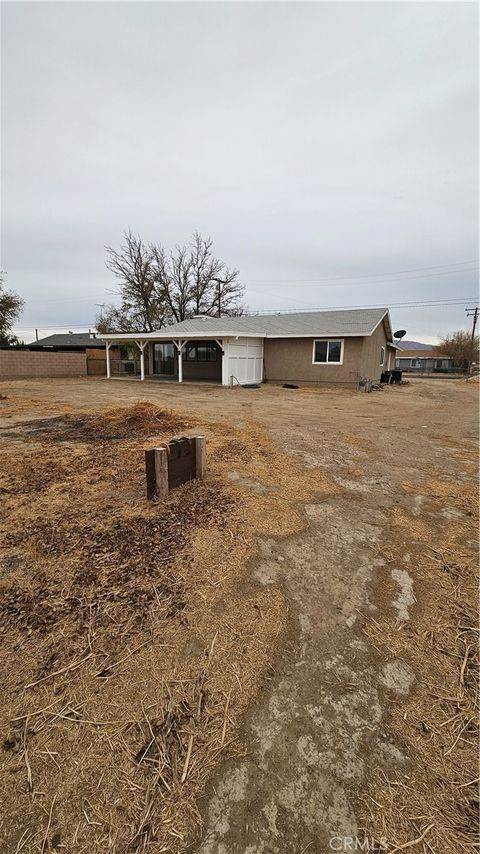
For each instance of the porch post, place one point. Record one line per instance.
(107, 357)
(141, 346)
(180, 365)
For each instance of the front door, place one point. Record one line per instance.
(164, 358)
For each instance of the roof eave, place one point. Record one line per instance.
(190, 336)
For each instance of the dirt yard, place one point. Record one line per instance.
(281, 659)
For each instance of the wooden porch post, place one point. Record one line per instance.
(107, 357)
(179, 345)
(141, 346)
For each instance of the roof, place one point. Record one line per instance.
(347, 322)
(69, 339)
(415, 345)
(421, 354)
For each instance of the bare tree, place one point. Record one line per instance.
(143, 307)
(173, 276)
(215, 287)
(11, 305)
(461, 348)
(158, 287)
(195, 281)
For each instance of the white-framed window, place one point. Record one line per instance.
(327, 351)
(382, 356)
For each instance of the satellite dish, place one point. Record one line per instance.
(400, 334)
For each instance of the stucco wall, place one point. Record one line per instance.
(16, 364)
(290, 360)
(370, 363)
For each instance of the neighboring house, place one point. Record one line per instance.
(80, 342)
(340, 347)
(76, 342)
(414, 345)
(423, 361)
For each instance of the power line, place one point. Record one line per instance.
(57, 326)
(381, 275)
(425, 304)
(418, 304)
(328, 280)
(347, 281)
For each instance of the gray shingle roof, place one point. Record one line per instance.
(359, 322)
(69, 339)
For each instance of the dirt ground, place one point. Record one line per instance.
(361, 721)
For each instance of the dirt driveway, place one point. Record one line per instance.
(322, 723)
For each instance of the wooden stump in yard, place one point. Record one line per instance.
(175, 463)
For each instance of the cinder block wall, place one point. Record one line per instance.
(15, 364)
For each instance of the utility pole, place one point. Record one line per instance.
(219, 282)
(473, 312)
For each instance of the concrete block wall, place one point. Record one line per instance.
(18, 364)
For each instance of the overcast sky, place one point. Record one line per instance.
(327, 148)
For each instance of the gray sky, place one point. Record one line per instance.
(325, 147)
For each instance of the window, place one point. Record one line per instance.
(327, 351)
(127, 352)
(382, 356)
(200, 351)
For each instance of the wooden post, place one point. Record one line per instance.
(156, 465)
(180, 363)
(161, 472)
(200, 457)
(107, 357)
(141, 346)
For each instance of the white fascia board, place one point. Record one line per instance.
(212, 336)
(176, 336)
(319, 335)
(389, 324)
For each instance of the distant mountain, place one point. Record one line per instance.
(415, 345)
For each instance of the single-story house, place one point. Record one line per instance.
(73, 342)
(339, 347)
(423, 361)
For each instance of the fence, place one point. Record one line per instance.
(96, 366)
(22, 364)
(124, 367)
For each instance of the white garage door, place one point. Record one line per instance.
(244, 357)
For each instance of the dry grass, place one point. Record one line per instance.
(433, 806)
(132, 636)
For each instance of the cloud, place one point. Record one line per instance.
(309, 140)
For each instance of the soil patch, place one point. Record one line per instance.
(132, 636)
(434, 806)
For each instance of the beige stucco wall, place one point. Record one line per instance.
(25, 363)
(370, 366)
(290, 360)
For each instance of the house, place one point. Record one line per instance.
(423, 361)
(76, 342)
(338, 347)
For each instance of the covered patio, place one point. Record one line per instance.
(198, 358)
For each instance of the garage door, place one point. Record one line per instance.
(245, 360)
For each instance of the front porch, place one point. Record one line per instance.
(199, 358)
(175, 360)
